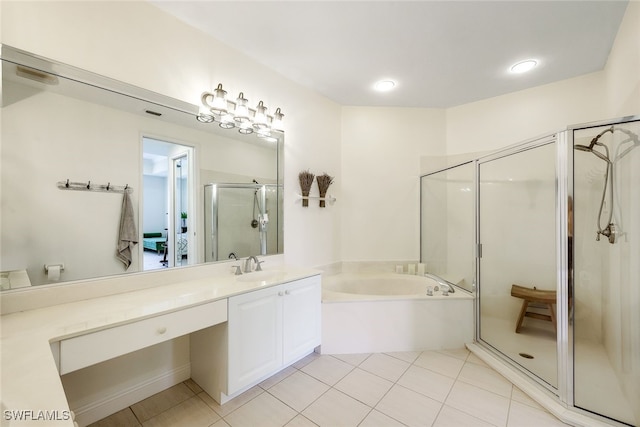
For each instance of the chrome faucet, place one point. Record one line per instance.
(441, 282)
(247, 264)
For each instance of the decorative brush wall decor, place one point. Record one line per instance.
(324, 181)
(306, 180)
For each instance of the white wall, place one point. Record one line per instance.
(505, 120)
(381, 151)
(622, 72)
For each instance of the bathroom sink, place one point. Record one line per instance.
(258, 276)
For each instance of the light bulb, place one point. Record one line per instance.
(219, 101)
(385, 85)
(241, 113)
(260, 118)
(277, 124)
(204, 114)
(524, 66)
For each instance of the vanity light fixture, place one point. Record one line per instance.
(524, 66)
(216, 108)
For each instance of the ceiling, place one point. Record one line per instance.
(440, 53)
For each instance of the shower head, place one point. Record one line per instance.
(593, 143)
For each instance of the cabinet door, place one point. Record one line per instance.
(255, 337)
(302, 315)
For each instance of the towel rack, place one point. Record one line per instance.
(88, 186)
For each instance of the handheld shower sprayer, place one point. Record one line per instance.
(609, 230)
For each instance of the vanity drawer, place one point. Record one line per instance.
(86, 350)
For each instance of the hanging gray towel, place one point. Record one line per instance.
(128, 235)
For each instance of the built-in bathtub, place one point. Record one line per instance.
(387, 312)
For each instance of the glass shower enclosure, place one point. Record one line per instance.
(556, 245)
(604, 292)
(241, 220)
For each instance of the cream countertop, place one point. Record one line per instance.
(29, 376)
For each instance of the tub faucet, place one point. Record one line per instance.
(441, 282)
(247, 263)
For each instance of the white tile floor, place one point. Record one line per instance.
(445, 388)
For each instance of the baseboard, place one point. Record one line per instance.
(108, 405)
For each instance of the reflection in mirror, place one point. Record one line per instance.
(238, 220)
(447, 224)
(59, 123)
(165, 238)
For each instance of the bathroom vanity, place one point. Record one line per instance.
(267, 330)
(242, 329)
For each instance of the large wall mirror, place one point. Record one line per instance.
(198, 193)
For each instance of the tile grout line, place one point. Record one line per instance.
(387, 392)
(352, 367)
(452, 385)
(168, 409)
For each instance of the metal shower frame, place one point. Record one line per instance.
(564, 142)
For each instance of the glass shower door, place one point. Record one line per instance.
(241, 220)
(447, 224)
(605, 302)
(180, 210)
(517, 263)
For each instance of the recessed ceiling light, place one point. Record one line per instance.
(524, 66)
(384, 85)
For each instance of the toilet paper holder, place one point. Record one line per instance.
(46, 267)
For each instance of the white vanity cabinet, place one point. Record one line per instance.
(255, 336)
(272, 328)
(267, 330)
(89, 349)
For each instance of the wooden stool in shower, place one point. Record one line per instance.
(543, 299)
